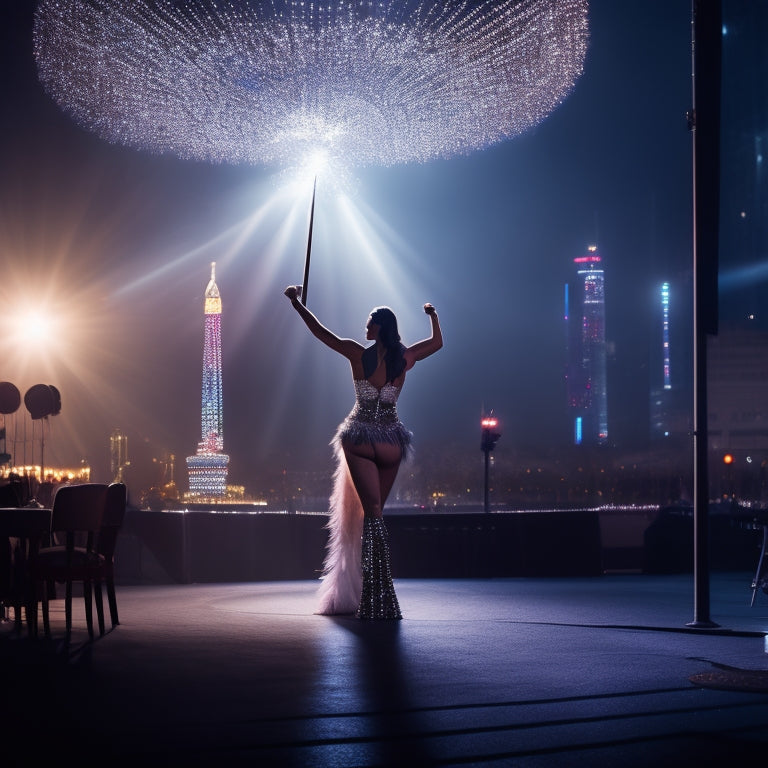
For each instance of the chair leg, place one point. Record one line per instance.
(68, 609)
(87, 593)
(30, 608)
(99, 605)
(17, 622)
(112, 598)
(46, 616)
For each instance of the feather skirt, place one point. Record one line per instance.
(342, 579)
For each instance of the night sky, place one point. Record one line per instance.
(119, 242)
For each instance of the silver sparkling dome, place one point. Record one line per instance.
(267, 82)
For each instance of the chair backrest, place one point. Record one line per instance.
(10, 494)
(117, 498)
(114, 513)
(78, 507)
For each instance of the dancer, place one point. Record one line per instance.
(369, 446)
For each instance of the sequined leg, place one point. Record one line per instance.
(378, 600)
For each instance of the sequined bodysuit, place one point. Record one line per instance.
(374, 417)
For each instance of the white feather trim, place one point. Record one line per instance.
(342, 578)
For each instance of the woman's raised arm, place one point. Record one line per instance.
(427, 347)
(346, 347)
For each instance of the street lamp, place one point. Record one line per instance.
(489, 437)
(730, 489)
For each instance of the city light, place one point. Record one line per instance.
(586, 260)
(586, 374)
(34, 330)
(665, 335)
(35, 327)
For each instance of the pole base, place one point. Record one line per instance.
(695, 624)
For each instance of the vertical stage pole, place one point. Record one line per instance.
(704, 121)
(305, 284)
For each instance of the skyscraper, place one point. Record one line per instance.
(586, 379)
(118, 455)
(661, 405)
(208, 467)
(670, 408)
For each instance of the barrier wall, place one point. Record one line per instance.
(214, 547)
(201, 546)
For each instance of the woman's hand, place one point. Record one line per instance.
(429, 309)
(293, 292)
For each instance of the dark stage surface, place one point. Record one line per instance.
(481, 672)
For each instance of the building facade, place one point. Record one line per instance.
(586, 374)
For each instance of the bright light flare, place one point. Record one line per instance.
(61, 331)
(37, 331)
(332, 176)
(35, 327)
(316, 163)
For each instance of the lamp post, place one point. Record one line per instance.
(729, 485)
(489, 437)
(704, 122)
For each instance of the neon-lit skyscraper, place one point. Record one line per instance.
(586, 378)
(208, 467)
(666, 370)
(666, 407)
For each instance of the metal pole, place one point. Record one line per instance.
(305, 284)
(704, 122)
(487, 499)
(42, 449)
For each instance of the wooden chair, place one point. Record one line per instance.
(114, 513)
(77, 509)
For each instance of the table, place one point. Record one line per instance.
(30, 525)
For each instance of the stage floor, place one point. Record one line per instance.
(523, 672)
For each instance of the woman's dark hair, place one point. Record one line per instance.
(385, 318)
(389, 336)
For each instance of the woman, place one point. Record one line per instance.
(369, 446)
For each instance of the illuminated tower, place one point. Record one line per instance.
(586, 379)
(665, 410)
(118, 455)
(208, 467)
(666, 371)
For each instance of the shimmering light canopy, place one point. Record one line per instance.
(370, 82)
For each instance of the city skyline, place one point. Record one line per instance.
(111, 238)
